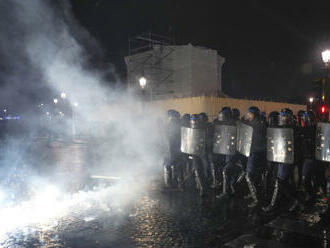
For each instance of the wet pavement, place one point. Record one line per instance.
(155, 219)
(117, 214)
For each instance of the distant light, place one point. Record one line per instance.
(311, 99)
(55, 100)
(63, 95)
(47, 113)
(143, 82)
(323, 109)
(5, 110)
(326, 56)
(75, 104)
(12, 118)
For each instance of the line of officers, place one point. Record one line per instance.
(266, 152)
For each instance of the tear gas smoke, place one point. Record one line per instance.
(46, 52)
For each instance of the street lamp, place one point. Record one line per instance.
(326, 56)
(326, 60)
(311, 100)
(143, 82)
(55, 100)
(63, 95)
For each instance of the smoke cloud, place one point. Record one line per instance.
(44, 51)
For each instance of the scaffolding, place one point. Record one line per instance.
(149, 55)
(147, 41)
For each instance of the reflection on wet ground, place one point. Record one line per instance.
(121, 216)
(156, 219)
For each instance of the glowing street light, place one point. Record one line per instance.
(311, 99)
(55, 100)
(326, 60)
(63, 95)
(143, 82)
(326, 56)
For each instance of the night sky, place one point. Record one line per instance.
(271, 49)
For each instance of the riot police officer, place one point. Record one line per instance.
(299, 152)
(217, 158)
(172, 166)
(322, 155)
(256, 155)
(205, 159)
(280, 150)
(193, 143)
(272, 122)
(186, 162)
(307, 148)
(224, 149)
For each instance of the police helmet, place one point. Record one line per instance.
(203, 117)
(235, 114)
(286, 117)
(254, 110)
(195, 121)
(286, 112)
(186, 116)
(300, 115)
(273, 118)
(173, 114)
(225, 114)
(309, 118)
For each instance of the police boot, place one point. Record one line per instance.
(241, 176)
(267, 181)
(214, 176)
(289, 192)
(275, 198)
(199, 183)
(174, 181)
(253, 191)
(179, 177)
(167, 176)
(225, 186)
(308, 189)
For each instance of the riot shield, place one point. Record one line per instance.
(224, 139)
(244, 139)
(193, 141)
(280, 145)
(322, 142)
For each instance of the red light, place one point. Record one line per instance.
(322, 109)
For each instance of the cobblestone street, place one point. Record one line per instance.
(96, 214)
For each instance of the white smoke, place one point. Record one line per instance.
(123, 141)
